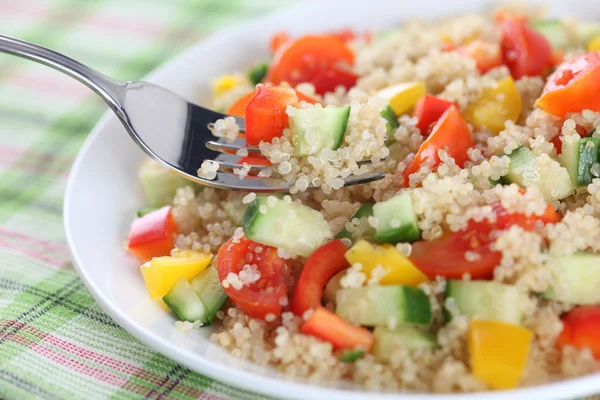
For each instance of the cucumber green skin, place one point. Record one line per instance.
(587, 157)
(554, 31)
(488, 300)
(400, 208)
(210, 292)
(184, 302)
(258, 73)
(391, 125)
(580, 278)
(409, 338)
(348, 356)
(250, 216)
(375, 305)
(365, 210)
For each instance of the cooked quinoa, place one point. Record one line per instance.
(446, 198)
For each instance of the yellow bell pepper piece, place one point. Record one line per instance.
(161, 273)
(399, 269)
(594, 44)
(498, 352)
(495, 106)
(224, 83)
(404, 96)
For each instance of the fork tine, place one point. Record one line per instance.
(229, 147)
(224, 165)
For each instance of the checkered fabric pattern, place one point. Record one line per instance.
(55, 341)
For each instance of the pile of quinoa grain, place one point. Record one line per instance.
(445, 198)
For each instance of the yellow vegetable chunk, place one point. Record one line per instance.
(161, 273)
(404, 96)
(495, 106)
(394, 266)
(594, 44)
(498, 352)
(224, 83)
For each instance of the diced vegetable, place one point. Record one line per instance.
(579, 157)
(396, 220)
(349, 356)
(364, 211)
(403, 96)
(322, 60)
(316, 128)
(526, 169)
(153, 234)
(341, 334)
(525, 51)
(554, 31)
(238, 108)
(386, 340)
(258, 72)
(293, 227)
(225, 83)
(580, 329)
(495, 106)
(391, 125)
(396, 268)
(578, 279)
(594, 44)
(210, 292)
(161, 273)
(573, 87)
(184, 302)
(429, 110)
(487, 55)
(278, 39)
(451, 133)
(498, 352)
(490, 301)
(145, 210)
(321, 266)
(263, 291)
(383, 305)
(161, 183)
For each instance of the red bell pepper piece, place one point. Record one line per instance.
(323, 264)
(153, 234)
(339, 332)
(581, 327)
(428, 111)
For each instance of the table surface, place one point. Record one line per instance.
(55, 341)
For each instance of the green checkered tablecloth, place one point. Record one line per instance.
(55, 341)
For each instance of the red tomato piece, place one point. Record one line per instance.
(447, 256)
(525, 51)
(278, 40)
(263, 296)
(238, 109)
(451, 133)
(324, 263)
(428, 111)
(487, 55)
(581, 327)
(573, 87)
(321, 60)
(153, 234)
(339, 332)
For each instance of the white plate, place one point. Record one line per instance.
(103, 194)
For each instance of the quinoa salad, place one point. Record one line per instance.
(473, 265)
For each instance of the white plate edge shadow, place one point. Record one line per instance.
(270, 386)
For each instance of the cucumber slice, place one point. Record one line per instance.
(578, 279)
(554, 30)
(184, 302)
(381, 305)
(160, 183)
(578, 157)
(396, 221)
(365, 211)
(391, 125)
(316, 128)
(487, 300)
(525, 169)
(210, 292)
(258, 72)
(348, 356)
(386, 340)
(293, 227)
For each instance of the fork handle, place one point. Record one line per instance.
(112, 91)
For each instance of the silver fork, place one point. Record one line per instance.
(167, 127)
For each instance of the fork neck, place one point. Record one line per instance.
(112, 91)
